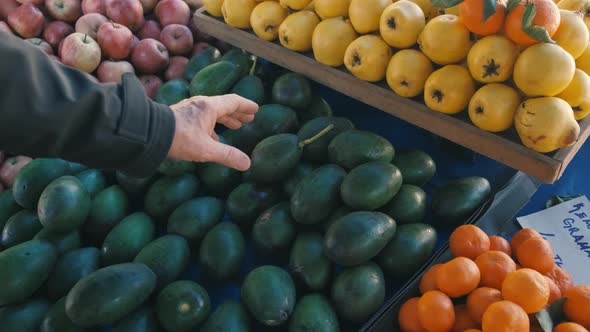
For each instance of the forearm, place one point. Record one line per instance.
(50, 110)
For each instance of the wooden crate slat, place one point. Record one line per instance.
(512, 153)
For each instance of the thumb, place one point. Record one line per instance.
(228, 155)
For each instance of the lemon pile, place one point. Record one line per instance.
(425, 51)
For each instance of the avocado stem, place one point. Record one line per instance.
(314, 138)
(253, 66)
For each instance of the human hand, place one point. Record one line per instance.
(195, 138)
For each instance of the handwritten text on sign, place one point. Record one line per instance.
(567, 227)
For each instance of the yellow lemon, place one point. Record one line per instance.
(297, 29)
(367, 58)
(582, 6)
(449, 89)
(365, 14)
(331, 39)
(583, 62)
(445, 40)
(407, 72)
(546, 124)
(295, 4)
(491, 59)
(266, 18)
(331, 8)
(401, 24)
(572, 33)
(236, 13)
(543, 70)
(493, 106)
(577, 94)
(213, 7)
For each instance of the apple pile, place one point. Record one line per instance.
(9, 167)
(107, 38)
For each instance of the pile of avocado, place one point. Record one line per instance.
(337, 206)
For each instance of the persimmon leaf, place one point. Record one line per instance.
(534, 31)
(445, 3)
(551, 316)
(489, 9)
(511, 4)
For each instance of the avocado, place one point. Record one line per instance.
(108, 208)
(271, 119)
(175, 167)
(369, 186)
(218, 179)
(63, 242)
(248, 200)
(24, 317)
(301, 170)
(76, 168)
(34, 177)
(133, 185)
(241, 59)
(417, 167)
(407, 206)
(410, 248)
(127, 238)
(358, 292)
(275, 157)
(24, 269)
(215, 79)
(317, 108)
(458, 199)
(93, 181)
(109, 294)
(172, 92)
(167, 256)
(182, 306)
(269, 294)
(308, 263)
(167, 193)
(8, 207)
(222, 251)
(70, 268)
(230, 316)
(355, 147)
(206, 57)
(358, 237)
(56, 319)
(337, 214)
(143, 319)
(250, 87)
(292, 90)
(317, 152)
(274, 230)
(64, 205)
(21, 227)
(313, 312)
(317, 195)
(194, 218)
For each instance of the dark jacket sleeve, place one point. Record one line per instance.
(50, 110)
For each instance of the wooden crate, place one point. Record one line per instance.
(505, 148)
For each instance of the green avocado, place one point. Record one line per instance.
(168, 193)
(128, 238)
(172, 92)
(313, 312)
(21, 227)
(108, 208)
(230, 316)
(70, 268)
(274, 230)
(248, 200)
(193, 219)
(222, 251)
(317, 151)
(56, 319)
(182, 306)
(292, 90)
(215, 79)
(407, 206)
(208, 56)
(458, 199)
(250, 87)
(317, 108)
(308, 263)
(355, 147)
(167, 256)
(218, 179)
(301, 170)
(32, 179)
(369, 186)
(93, 181)
(64, 205)
(24, 317)
(416, 166)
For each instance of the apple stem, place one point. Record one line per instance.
(113, 23)
(85, 36)
(253, 66)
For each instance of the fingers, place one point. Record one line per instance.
(228, 156)
(243, 117)
(232, 103)
(230, 122)
(215, 136)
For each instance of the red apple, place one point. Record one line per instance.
(177, 38)
(4, 27)
(56, 31)
(6, 6)
(199, 47)
(34, 2)
(27, 21)
(151, 84)
(10, 169)
(80, 51)
(175, 68)
(90, 23)
(148, 5)
(150, 56)
(134, 43)
(114, 40)
(64, 10)
(112, 71)
(94, 6)
(150, 29)
(173, 12)
(40, 43)
(126, 12)
(194, 4)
